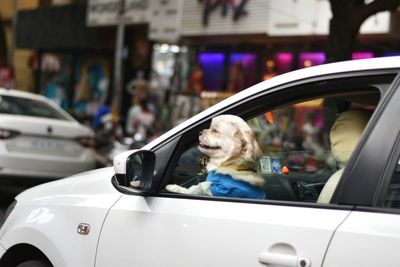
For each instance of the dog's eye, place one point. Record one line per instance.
(214, 131)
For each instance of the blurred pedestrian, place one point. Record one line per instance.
(236, 78)
(143, 122)
(195, 84)
(270, 71)
(137, 87)
(103, 110)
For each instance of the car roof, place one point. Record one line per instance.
(383, 63)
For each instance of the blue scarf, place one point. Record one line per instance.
(224, 185)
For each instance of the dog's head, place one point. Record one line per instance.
(229, 141)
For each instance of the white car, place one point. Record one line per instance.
(321, 208)
(40, 140)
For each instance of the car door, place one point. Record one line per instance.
(157, 231)
(370, 236)
(165, 229)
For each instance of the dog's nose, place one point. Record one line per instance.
(200, 133)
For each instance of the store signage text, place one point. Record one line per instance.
(137, 5)
(163, 16)
(107, 7)
(238, 6)
(108, 12)
(112, 7)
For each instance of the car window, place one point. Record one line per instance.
(306, 144)
(296, 160)
(28, 107)
(295, 163)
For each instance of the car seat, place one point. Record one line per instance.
(345, 133)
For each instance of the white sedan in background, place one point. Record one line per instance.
(39, 139)
(321, 208)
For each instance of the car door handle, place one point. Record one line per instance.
(283, 260)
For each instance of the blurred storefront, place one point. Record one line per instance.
(236, 44)
(13, 73)
(183, 55)
(150, 33)
(72, 52)
(14, 61)
(71, 62)
(78, 81)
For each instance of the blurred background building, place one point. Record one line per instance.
(182, 56)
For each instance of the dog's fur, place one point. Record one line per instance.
(233, 150)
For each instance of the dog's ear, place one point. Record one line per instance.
(251, 149)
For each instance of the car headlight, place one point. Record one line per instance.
(10, 209)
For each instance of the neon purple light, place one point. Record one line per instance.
(245, 59)
(211, 57)
(212, 65)
(249, 64)
(284, 62)
(391, 54)
(361, 55)
(312, 58)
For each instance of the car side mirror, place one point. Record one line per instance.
(134, 171)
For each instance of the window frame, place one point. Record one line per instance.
(369, 163)
(388, 114)
(267, 100)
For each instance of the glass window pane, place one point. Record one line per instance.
(28, 107)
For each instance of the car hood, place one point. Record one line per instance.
(92, 188)
(48, 215)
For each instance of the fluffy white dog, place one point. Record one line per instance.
(232, 168)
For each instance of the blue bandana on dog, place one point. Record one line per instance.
(224, 185)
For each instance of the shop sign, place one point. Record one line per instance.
(272, 17)
(214, 17)
(166, 20)
(238, 7)
(137, 11)
(166, 15)
(103, 12)
(107, 12)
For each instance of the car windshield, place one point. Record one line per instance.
(28, 107)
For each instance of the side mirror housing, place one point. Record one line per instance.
(134, 170)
